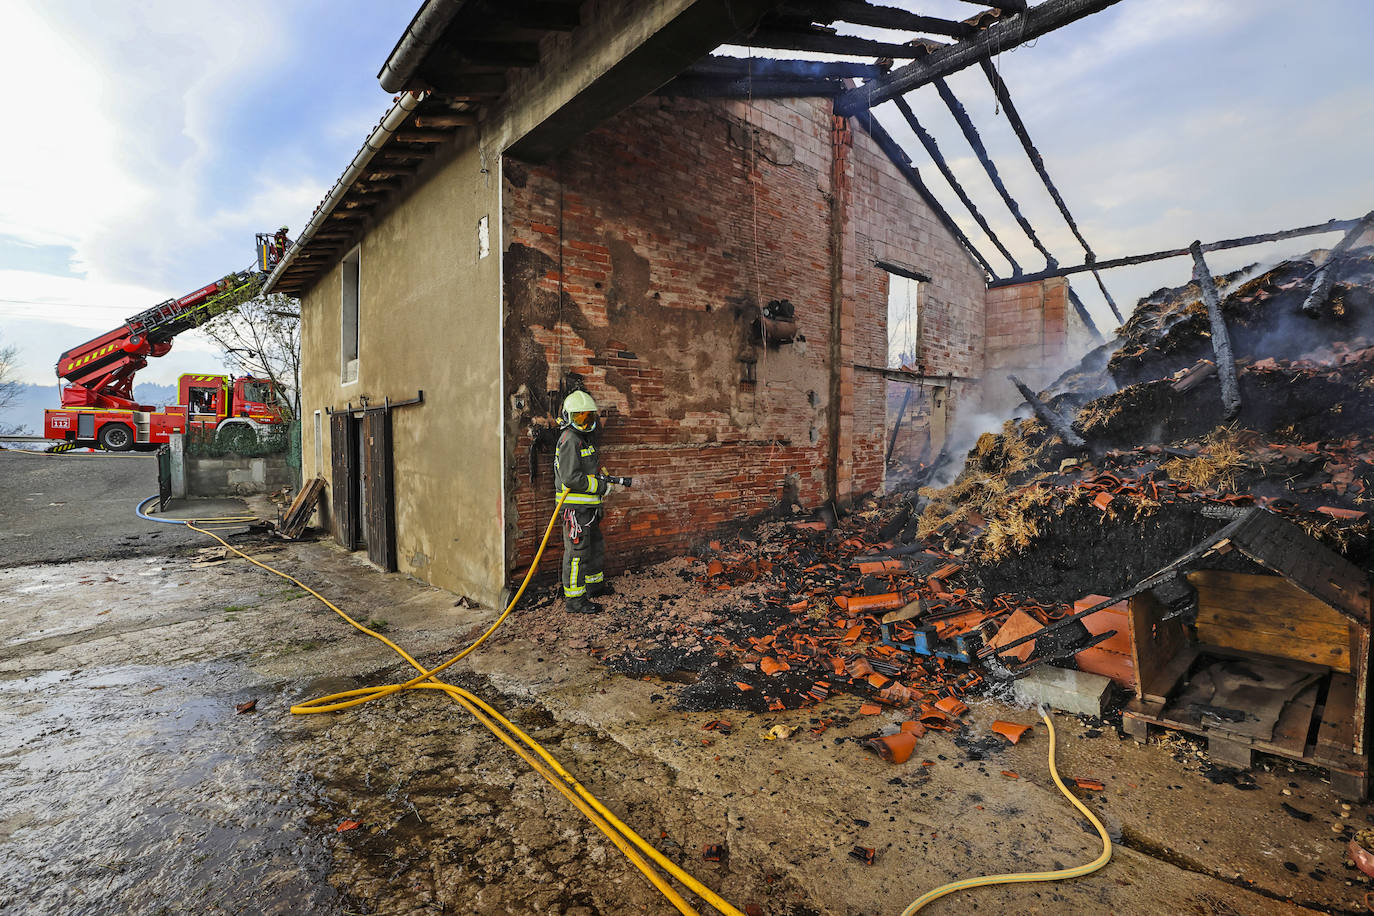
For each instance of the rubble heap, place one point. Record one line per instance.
(1033, 515)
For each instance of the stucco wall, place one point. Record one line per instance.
(430, 320)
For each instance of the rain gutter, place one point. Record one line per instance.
(422, 33)
(392, 120)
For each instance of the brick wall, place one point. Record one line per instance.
(1028, 335)
(638, 261)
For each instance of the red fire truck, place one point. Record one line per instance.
(98, 408)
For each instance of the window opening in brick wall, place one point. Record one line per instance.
(349, 316)
(903, 322)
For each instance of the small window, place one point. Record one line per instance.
(349, 312)
(319, 444)
(903, 322)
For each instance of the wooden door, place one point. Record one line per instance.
(343, 449)
(379, 511)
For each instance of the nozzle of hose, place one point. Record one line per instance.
(618, 481)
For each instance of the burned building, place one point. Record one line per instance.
(714, 267)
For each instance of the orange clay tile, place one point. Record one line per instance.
(1335, 512)
(870, 709)
(743, 686)
(715, 568)
(878, 681)
(914, 727)
(1011, 775)
(1102, 501)
(896, 748)
(887, 602)
(860, 668)
(878, 566)
(951, 705)
(1012, 731)
(771, 666)
(853, 633)
(1092, 785)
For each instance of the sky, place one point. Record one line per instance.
(145, 149)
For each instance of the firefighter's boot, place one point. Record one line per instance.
(582, 605)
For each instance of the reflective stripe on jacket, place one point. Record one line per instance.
(575, 465)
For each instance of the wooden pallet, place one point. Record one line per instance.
(302, 508)
(1324, 709)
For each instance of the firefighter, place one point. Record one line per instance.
(575, 469)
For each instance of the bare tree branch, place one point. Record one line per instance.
(262, 338)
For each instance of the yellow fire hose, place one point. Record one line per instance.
(1019, 877)
(534, 754)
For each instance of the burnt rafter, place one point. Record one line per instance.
(1018, 127)
(827, 41)
(883, 17)
(772, 68)
(898, 157)
(933, 150)
(956, 108)
(1335, 225)
(1003, 35)
(720, 87)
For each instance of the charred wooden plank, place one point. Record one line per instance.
(883, 17)
(1018, 127)
(1002, 36)
(827, 41)
(1221, 337)
(1321, 284)
(1049, 416)
(1335, 225)
(933, 150)
(956, 108)
(772, 68)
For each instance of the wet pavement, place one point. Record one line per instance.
(76, 505)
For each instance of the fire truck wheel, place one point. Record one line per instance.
(116, 437)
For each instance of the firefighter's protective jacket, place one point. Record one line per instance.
(575, 465)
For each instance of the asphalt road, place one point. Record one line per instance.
(60, 508)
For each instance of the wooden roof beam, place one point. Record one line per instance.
(826, 41)
(883, 17)
(1002, 36)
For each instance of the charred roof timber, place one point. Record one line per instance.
(1221, 337)
(1003, 35)
(1018, 127)
(1335, 225)
(933, 150)
(1321, 284)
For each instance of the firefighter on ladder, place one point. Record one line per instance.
(575, 470)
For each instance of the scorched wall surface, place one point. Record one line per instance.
(638, 260)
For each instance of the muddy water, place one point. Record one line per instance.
(138, 789)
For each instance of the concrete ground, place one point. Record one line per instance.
(129, 783)
(79, 505)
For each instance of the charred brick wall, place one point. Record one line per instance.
(638, 261)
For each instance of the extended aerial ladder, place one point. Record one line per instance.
(98, 404)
